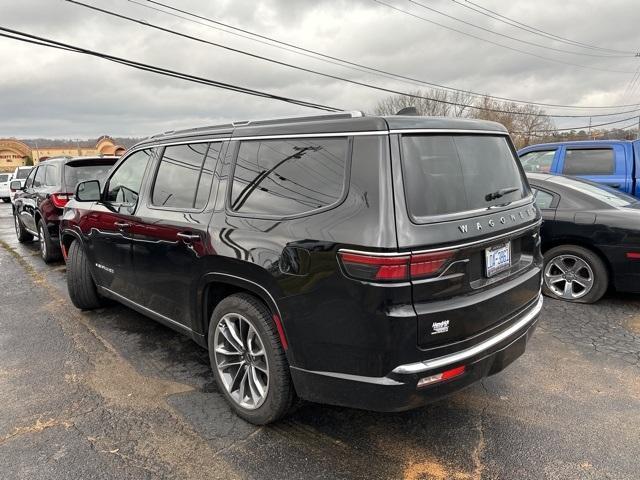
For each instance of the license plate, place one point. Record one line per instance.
(498, 258)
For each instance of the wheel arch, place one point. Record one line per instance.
(216, 286)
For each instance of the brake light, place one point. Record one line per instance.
(61, 199)
(633, 255)
(400, 267)
(441, 377)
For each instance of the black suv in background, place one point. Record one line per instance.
(370, 262)
(39, 201)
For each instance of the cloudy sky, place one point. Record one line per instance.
(51, 93)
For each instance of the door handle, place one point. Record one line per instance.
(188, 237)
(122, 225)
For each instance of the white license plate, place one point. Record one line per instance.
(498, 258)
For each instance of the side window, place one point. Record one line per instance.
(124, 185)
(537, 162)
(180, 180)
(288, 177)
(38, 180)
(28, 183)
(592, 161)
(52, 175)
(543, 199)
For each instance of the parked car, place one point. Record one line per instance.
(5, 191)
(615, 163)
(370, 262)
(39, 202)
(21, 174)
(590, 238)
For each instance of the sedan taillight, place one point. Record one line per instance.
(394, 267)
(61, 199)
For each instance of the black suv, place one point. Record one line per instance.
(370, 262)
(39, 202)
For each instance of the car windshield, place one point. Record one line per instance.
(608, 195)
(4, 177)
(22, 173)
(75, 173)
(449, 174)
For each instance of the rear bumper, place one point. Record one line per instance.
(398, 390)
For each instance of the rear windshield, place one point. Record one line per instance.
(449, 174)
(4, 177)
(22, 173)
(75, 173)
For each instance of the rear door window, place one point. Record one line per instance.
(589, 161)
(451, 174)
(52, 175)
(4, 178)
(280, 178)
(184, 176)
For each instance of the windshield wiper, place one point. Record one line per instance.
(500, 193)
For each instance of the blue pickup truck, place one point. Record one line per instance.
(615, 163)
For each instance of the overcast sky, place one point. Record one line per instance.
(50, 93)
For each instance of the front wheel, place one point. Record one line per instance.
(248, 361)
(80, 284)
(574, 274)
(21, 233)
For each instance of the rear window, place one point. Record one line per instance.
(4, 178)
(449, 174)
(74, 173)
(592, 161)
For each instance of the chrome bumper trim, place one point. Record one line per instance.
(462, 355)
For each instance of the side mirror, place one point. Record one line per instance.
(16, 185)
(88, 191)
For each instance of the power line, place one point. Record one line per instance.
(602, 55)
(635, 118)
(536, 31)
(497, 43)
(348, 64)
(42, 41)
(316, 72)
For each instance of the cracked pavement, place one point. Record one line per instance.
(112, 395)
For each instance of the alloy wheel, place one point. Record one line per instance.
(16, 224)
(241, 361)
(43, 242)
(568, 276)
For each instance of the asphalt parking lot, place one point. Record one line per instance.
(111, 394)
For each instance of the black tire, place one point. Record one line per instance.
(280, 395)
(22, 235)
(49, 251)
(598, 271)
(80, 284)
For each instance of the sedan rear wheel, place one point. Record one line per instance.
(574, 274)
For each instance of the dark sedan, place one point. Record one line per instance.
(590, 238)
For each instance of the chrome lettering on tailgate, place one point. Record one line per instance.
(526, 213)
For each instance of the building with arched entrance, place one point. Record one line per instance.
(14, 153)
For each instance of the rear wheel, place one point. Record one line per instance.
(21, 233)
(574, 274)
(49, 251)
(82, 288)
(248, 361)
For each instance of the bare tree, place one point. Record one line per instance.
(430, 102)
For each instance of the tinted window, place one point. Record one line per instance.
(607, 195)
(288, 177)
(178, 176)
(52, 175)
(539, 162)
(124, 184)
(543, 199)
(23, 173)
(593, 161)
(206, 177)
(38, 181)
(4, 178)
(75, 172)
(446, 174)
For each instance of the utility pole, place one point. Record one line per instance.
(589, 127)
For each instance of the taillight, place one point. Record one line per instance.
(441, 377)
(61, 199)
(633, 255)
(400, 267)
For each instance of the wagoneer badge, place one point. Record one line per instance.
(528, 212)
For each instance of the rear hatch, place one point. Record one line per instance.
(465, 211)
